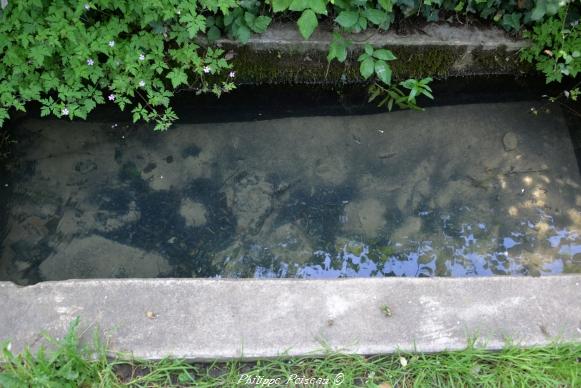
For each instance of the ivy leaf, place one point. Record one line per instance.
(363, 57)
(261, 24)
(307, 23)
(280, 5)
(383, 72)
(347, 19)
(319, 6)
(243, 34)
(539, 11)
(338, 48)
(249, 17)
(511, 21)
(213, 33)
(299, 5)
(177, 77)
(376, 16)
(366, 68)
(386, 5)
(383, 54)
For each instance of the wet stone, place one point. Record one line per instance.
(509, 141)
(85, 166)
(149, 168)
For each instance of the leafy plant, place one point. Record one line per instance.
(376, 62)
(388, 96)
(72, 57)
(338, 48)
(555, 47)
(356, 16)
(556, 52)
(309, 9)
(243, 20)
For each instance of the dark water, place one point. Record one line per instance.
(462, 190)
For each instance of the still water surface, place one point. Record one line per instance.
(480, 189)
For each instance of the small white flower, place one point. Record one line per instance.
(179, 12)
(141, 57)
(111, 43)
(87, 7)
(232, 74)
(142, 83)
(111, 97)
(90, 62)
(65, 112)
(207, 69)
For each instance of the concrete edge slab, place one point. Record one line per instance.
(287, 36)
(206, 319)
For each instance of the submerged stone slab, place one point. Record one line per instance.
(445, 192)
(202, 319)
(95, 257)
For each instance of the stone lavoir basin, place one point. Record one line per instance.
(461, 190)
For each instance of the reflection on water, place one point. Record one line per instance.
(456, 191)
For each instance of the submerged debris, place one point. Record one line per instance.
(386, 310)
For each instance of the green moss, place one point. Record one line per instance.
(499, 61)
(299, 67)
(284, 67)
(425, 61)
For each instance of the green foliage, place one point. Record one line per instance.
(555, 47)
(73, 56)
(242, 21)
(389, 95)
(338, 48)
(376, 62)
(71, 364)
(359, 15)
(309, 9)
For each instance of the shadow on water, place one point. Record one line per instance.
(299, 183)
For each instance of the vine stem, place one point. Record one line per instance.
(556, 100)
(151, 108)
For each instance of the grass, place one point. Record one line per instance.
(71, 364)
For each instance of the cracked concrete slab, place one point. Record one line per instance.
(206, 319)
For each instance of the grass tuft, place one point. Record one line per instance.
(69, 363)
